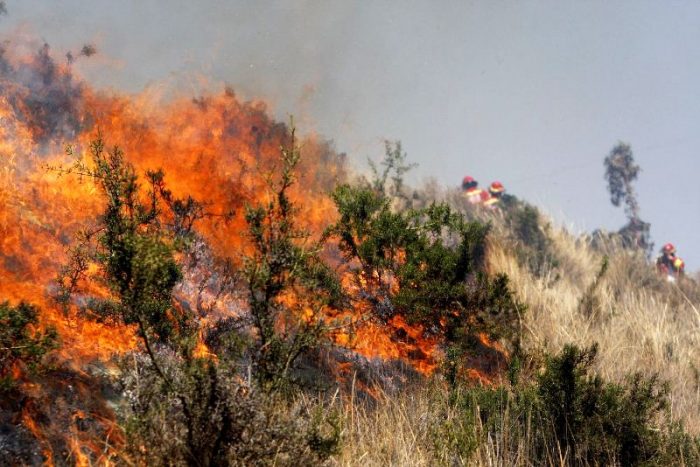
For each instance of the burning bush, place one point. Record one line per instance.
(22, 346)
(195, 399)
(289, 287)
(424, 266)
(132, 251)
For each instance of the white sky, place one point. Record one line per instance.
(532, 93)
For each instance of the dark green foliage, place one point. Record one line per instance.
(589, 304)
(598, 422)
(568, 412)
(288, 284)
(677, 447)
(21, 343)
(481, 412)
(324, 434)
(534, 247)
(24, 368)
(134, 244)
(425, 265)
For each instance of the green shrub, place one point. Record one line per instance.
(425, 265)
(535, 249)
(283, 262)
(569, 413)
(21, 342)
(181, 409)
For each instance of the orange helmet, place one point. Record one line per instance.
(669, 249)
(496, 187)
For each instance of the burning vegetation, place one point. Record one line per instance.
(188, 283)
(187, 249)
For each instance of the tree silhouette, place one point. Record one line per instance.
(620, 172)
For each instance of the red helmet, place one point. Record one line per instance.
(469, 182)
(496, 187)
(669, 249)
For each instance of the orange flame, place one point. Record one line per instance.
(217, 149)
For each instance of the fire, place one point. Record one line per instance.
(394, 340)
(31, 425)
(218, 149)
(201, 350)
(373, 340)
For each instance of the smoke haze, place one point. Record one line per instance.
(533, 94)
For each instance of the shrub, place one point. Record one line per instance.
(598, 422)
(22, 344)
(289, 286)
(133, 245)
(535, 249)
(426, 265)
(23, 348)
(183, 409)
(210, 417)
(568, 413)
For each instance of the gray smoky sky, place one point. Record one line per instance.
(532, 93)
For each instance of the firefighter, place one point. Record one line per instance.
(496, 191)
(670, 264)
(471, 190)
(664, 262)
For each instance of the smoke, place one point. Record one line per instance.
(88, 50)
(44, 96)
(216, 148)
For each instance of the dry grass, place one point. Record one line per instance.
(394, 432)
(405, 430)
(642, 324)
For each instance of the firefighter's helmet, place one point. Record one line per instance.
(469, 182)
(496, 187)
(669, 249)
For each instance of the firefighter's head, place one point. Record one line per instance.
(468, 183)
(668, 249)
(496, 189)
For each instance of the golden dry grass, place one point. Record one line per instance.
(395, 432)
(641, 323)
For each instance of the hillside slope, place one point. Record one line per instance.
(641, 323)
